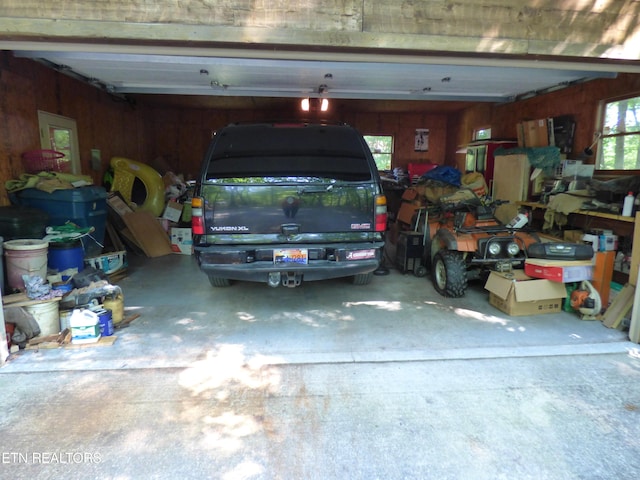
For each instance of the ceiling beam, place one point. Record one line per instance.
(605, 30)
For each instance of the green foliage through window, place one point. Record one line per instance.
(381, 147)
(620, 144)
(482, 134)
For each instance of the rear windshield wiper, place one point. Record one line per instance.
(323, 189)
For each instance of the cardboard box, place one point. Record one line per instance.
(635, 254)
(173, 211)
(118, 204)
(561, 271)
(520, 134)
(109, 262)
(406, 212)
(516, 293)
(536, 133)
(603, 273)
(593, 240)
(607, 242)
(144, 229)
(182, 241)
(573, 236)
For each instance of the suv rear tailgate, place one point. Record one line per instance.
(278, 209)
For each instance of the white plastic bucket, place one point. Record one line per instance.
(47, 316)
(65, 319)
(1, 265)
(25, 257)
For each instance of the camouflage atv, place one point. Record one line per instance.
(466, 241)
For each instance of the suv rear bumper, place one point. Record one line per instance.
(255, 262)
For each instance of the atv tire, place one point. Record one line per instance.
(449, 274)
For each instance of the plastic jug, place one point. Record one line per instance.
(85, 326)
(627, 206)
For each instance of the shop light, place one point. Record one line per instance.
(314, 104)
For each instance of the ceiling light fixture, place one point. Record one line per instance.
(314, 104)
(216, 84)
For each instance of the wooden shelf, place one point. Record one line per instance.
(625, 226)
(587, 213)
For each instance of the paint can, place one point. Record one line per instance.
(106, 322)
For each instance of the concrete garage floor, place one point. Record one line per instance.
(326, 381)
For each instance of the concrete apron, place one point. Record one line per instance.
(328, 380)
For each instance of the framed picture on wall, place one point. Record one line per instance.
(422, 140)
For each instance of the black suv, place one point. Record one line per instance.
(283, 203)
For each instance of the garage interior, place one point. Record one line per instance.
(388, 381)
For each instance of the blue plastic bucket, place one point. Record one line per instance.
(65, 255)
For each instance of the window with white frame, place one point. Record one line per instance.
(381, 147)
(483, 133)
(620, 135)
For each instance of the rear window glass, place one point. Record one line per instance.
(325, 152)
(339, 168)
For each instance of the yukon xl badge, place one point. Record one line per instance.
(230, 228)
(360, 226)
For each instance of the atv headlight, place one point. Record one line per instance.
(494, 248)
(513, 249)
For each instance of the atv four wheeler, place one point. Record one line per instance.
(466, 241)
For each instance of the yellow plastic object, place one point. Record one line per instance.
(125, 171)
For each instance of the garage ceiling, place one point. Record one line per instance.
(362, 77)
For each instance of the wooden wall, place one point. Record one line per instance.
(165, 137)
(105, 123)
(582, 101)
(176, 138)
(181, 135)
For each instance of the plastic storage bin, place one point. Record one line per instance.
(22, 222)
(84, 206)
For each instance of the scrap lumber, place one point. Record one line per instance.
(116, 276)
(116, 241)
(126, 321)
(634, 327)
(50, 341)
(620, 307)
(22, 300)
(148, 233)
(102, 342)
(63, 340)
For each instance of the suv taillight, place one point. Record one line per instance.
(381, 213)
(197, 216)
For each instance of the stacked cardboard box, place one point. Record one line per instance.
(536, 133)
(562, 271)
(547, 132)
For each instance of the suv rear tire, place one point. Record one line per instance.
(362, 278)
(449, 273)
(219, 281)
